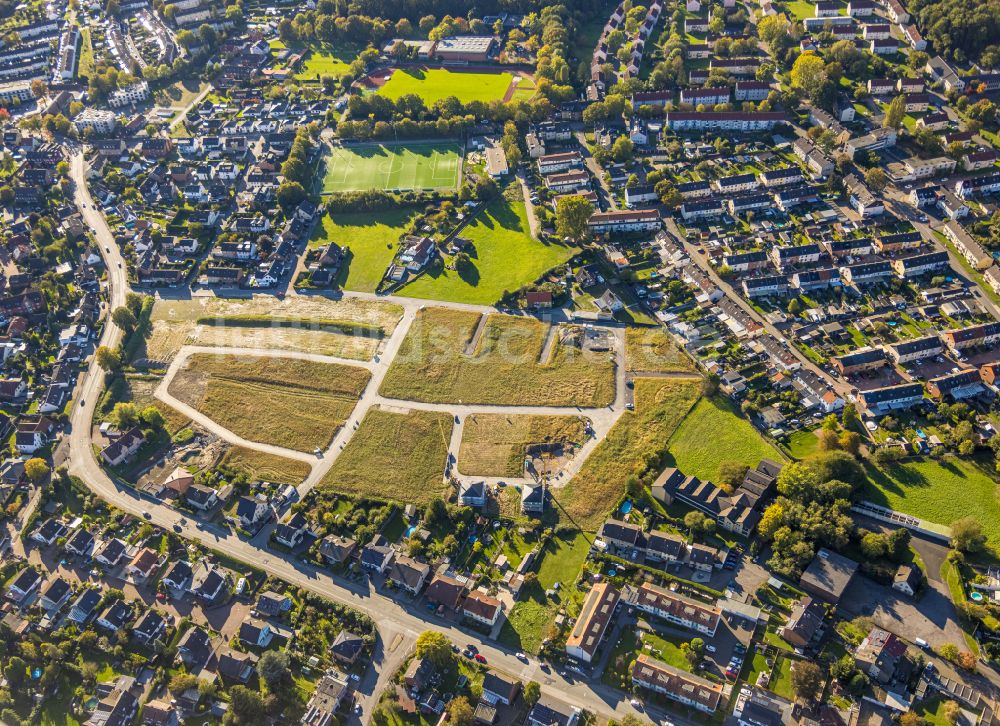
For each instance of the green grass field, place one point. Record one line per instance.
(712, 434)
(504, 257)
(325, 61)
(395, 167)
(437, 83)
(370, 241)
(939, 491)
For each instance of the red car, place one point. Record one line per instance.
(480, 657)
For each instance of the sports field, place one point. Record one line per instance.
(433, 84)
(394, 167)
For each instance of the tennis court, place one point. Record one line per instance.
(402, 167)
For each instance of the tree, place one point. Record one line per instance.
(16, 672)
(807, 678)
(290, 193)
(773, 30)
(694, 651)
(809, 74)
(894, 113)
(36, 469)
(623, 149)
(108, 358)
(771, 520)
(124, 319)
(967, 535)
(273, 668)
(794, 306)
(532, 692)
(180, 682)
(732, 472)
(460, 712)
(876, 179)
(849, 418)
(572, 214)
(850, 441)
(152, 417)
(952, 711)
(246, 707)
(124, 415)
(435, 647)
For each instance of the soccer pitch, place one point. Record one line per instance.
(436, 83)
(400, 167)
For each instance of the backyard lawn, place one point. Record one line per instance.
(369, 242)
(638, 437)
(394, 456)
(433, 365)
(297, 404)
(434, 84)
(712, 434)
(504, 256)
(938, 491)
(265, 467)
(802, 443)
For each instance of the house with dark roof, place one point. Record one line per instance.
(195, 648)
(335, 550)
(149, 627)
(805, 623)
(24, 586)
(55, 595)
(115, 616)
(377, 555)
(292, 532)
(123, 448)
(883, 657)
(178, 575)
(500, 689)
(252, 512)
(550, 712)
(256, 633)
(81, 542)
(408, 574)
(828, 575)
(235, 666)
(272, 604)
(84, 607)
(346, 647)
(208, 582)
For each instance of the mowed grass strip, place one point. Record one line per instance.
(714, 433)
(432, 365)
(504, 256)
(265, 467)
(404, 167)
(638, 438)
(494, 444)
(939, 491)
(434, 84)
(652, 350)
(296, 404)
(369, 241)
(394, 456)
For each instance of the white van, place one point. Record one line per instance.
(922, 643)
(241, 585)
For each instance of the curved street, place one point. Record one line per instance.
(398, 623)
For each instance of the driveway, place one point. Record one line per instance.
(932, 617)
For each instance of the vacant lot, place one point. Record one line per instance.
(185, 322)
(939, 491)
(265, 467)
(494, 444)
(292, 403)
(436, 83)
(638, 438)
(369, 242)
(394, 456)
(504, 256)
(712, 434)
(652, 350)
(400, 167)
(432, 365)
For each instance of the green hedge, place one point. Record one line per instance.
(348, 327)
